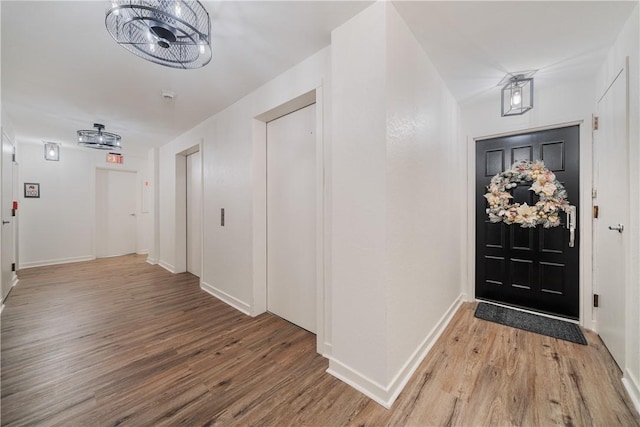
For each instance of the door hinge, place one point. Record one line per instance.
(596, 210)
(594, 193)
(13, 266)
(596, 123)
(596, 300)
(13, 157)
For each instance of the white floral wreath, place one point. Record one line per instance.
(552, 196)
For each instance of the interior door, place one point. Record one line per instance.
(533, 268)
(610, 239)
(291, 218)
(7, 232)
(194, 209)
(116, 213)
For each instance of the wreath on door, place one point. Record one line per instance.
(552, 196)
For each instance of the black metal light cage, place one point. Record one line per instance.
(98, 138)
(173, 33)
(523, 85)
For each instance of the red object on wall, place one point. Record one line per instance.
(15, 205)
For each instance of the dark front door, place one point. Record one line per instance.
(532, 268)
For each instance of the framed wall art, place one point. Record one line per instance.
(32, 190)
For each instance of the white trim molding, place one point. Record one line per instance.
(226, 298)
(152, 261)
(386, 395)
(56, 261)
(632, 385)
(169, 267)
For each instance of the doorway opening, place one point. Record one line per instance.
(611, 243)
(291, 218)
(534, 268)
(116, 213)
(320, 230)
(188, 213)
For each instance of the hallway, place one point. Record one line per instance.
(117, 341)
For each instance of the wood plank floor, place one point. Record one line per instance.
(120, 342)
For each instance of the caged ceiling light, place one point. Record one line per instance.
(173, 33)
(51, 151)
(99, 139)
(517, 95)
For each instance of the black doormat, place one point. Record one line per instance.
(530, 322)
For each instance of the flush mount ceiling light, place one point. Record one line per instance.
(99, 139)
(51, 151)
(173, 33)
(517, 94)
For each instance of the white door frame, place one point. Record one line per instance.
(180, 246)
(585, 225)
(259, 168)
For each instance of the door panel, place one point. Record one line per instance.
(116, 213)
(291, 218)
(533, 268)
(611, 178)
(8, 221)
(194, 210)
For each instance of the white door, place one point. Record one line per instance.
(194, 209)
(610, 245)
(291, 218)
(7, 231)
(115, 213)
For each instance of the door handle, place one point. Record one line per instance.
(619, 228)
(5, 222)
(571, 225)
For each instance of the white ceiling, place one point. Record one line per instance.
(61, 71)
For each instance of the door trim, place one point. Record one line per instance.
(259, 172)
(586, 316)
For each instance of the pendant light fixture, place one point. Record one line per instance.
(99, 139)
(517, 95)
(173, 33)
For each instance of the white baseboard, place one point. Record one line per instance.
(360, 382)
(15, 281)
(143, 252)
(226, 298)
(632, 385)
(1, 308)
(327, 350)
(386, 395)
(170, 268)
(152, 261)
(56, 261)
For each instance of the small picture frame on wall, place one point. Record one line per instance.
(32, 190)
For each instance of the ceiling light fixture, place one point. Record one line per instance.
(173, 33)
(99, 139)
(51, 151)
(517, 95)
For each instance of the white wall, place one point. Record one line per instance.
(628, 44)
(397, 150)
(359, 214)
(231, 180)
(60, 226)
(425, 148)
